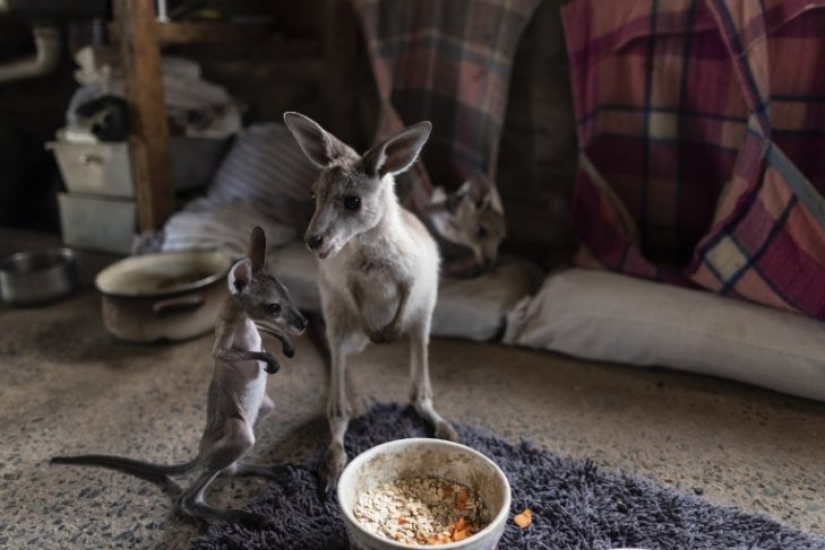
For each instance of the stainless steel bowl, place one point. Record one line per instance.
(33, 278)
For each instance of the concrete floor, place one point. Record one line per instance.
(67, 387)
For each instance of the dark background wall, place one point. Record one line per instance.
(30, 112)
(538, 150)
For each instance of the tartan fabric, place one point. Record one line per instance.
(701, 127)
(447, 61)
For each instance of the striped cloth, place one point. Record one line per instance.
(701, 128)
(266, 166)
(264, 180)
(447, 61)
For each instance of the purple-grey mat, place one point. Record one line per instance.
(576, 505)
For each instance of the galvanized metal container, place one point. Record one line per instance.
(105, 168)
(99, 223)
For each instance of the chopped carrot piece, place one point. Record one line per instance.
(402, 520)
(460, 535)
(460, 524)
(524, 519)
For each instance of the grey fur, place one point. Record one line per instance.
(471, 217)
(378, 271)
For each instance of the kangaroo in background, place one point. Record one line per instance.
(471, 217)
(257, 303)
(378, 274)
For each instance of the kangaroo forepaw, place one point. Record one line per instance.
(272, 365)
(445, 430)
(385, 335)
(336, 460)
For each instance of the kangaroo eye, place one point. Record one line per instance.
(273, 309)
(353, 203)
(312, 195)
(481, 231)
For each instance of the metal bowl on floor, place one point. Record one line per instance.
(34, 278)
(166, 296)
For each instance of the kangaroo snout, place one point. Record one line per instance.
(299, 322)
(314, 241)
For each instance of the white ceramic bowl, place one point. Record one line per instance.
(422, 457)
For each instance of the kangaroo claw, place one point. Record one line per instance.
(271, 363)
(272, 367)
(335, 461)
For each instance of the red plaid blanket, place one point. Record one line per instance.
(701, 128)
(447, 61)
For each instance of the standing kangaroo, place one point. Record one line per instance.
(378, 275)
(237, 395)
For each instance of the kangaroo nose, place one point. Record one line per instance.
(314, 241)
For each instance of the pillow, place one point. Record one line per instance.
(265, 165)
(203, 224)
(264, 180)
(477, 308)
(473, 308)
(611, 317)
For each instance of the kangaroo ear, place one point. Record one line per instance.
(454, 200)
(484, 193)
(240, 275)
(257, 248)
(318, 145)
(493, 200)
(396, 154)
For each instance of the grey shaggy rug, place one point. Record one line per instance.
(575, 504)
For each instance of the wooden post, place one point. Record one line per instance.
(149, 141)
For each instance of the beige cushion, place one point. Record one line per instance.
(610, 317)
(475, 309)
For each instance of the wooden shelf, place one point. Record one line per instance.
(204, 33)
(141, 39)
(173, 33)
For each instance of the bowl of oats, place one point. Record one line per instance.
(417, 492)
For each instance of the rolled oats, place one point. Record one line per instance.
(422, 511)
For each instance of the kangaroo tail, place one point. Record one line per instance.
(128, 465)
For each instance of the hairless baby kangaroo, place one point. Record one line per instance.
(257, 303)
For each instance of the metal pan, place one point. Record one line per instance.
(164, 296)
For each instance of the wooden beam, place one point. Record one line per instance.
(184, 32)
(149, 142)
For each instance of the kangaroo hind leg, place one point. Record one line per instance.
(220, 457)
